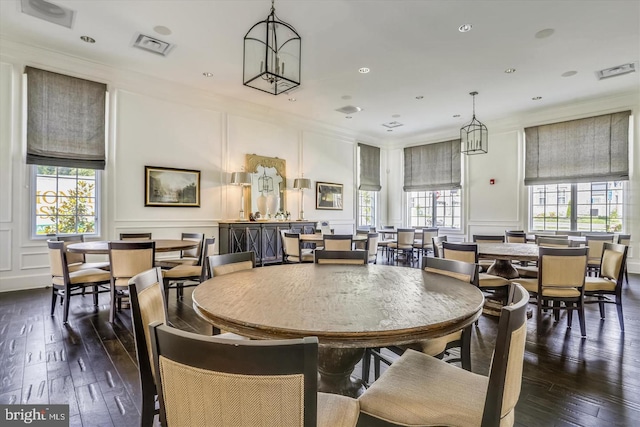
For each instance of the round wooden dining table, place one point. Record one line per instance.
(348, 307)
(318, 237)
(102, 246)
(504, 253)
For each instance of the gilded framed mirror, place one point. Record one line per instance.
(267, 193)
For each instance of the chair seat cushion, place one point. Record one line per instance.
(421, 390)
(531, 285)
(90, 275)
(182, 271)
(337, 411)
(529, 271)
(396, 245)
(307, 256)
(592, 284)
(174, 262)
(491, 281)
(89, 265)
(561, 292)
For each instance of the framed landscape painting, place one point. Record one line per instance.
(328, 196)
(171, 187)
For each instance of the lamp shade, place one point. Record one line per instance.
(302, 183)
(240, 178)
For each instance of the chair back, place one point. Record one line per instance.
(230, 263)
(72, 258)
(437, 245)
(325, 228)
(146, 292)
(614, 258)
(406, 236)
(58, 262)
(505, 377)
(341, 257)
(465, 252)
(447, 267)
(135, 236)
(624, 239)
(195, 252)
(128, 259)
(208, 248)
(384, 236)
(291, 245)
(337, 242)
(372, 245)
(206, 380)
(553, 241)
(515, 236)
(595, 243)
(488, 238)
(427, 237)
(561, 268)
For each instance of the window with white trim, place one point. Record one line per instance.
(367, 201)
(435, 208)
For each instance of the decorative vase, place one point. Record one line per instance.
(273, 203)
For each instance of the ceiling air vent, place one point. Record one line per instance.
(616, 71)
(391, 125)
(348, 109)
(152, 44)
(48, 11)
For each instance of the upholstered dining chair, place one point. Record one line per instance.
(609, 281)
(468, 252)
(293, 250)
(187, 256)
(436, 347)
(386, 238)
(515, 236)
(249, 383)
(135, 236)
(486, 238)
(341, 257)
(185, 275)
(595, 243)
(127, 260)
(424, 244)
(561, 281)
(66, 284)
(337, 242)
(403, 243)
(148, 305)
(625, 239)
(372, 246)
(436, 242)
(420, 390)
(77, 261)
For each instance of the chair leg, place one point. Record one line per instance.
(465, 349)
(583, 326)
(366, 365)
(601, 307)
(54, 298)
(112, 304)
(95, 295)
(67, 302)
(619, 308)
(148, 409)
(569, 316)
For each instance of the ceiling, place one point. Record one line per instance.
(413, 49)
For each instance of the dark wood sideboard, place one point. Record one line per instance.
(262, 237)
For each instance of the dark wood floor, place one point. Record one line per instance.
(91, 365)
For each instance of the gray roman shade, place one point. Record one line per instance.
(369, 168)
(584, 150)
(65, 120)
(432, 167)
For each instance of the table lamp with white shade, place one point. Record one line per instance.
(243, 179)
(301, 184)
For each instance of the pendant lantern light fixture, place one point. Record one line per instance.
(272, 51)
(474, 137)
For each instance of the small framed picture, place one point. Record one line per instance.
(328, 196)
(171, 187)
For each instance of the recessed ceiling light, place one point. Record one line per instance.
(389, 130)
(510, 70)
(419, 97)
(207, 74)
(395, 116)
(542, 34)
(348, 117)
(292, 99)
(456, 116)
(364, 70)
(569, 73)
(536, 98)
(87, 39)
(465, 28)
(161, 29)
(346, 97)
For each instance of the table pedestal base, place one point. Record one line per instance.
(503, 268)
(335, 366)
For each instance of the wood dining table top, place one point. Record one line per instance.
(317, 237)
(102, 246)
(345, 306)
(508, 251)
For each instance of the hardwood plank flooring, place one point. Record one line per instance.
(91, 364)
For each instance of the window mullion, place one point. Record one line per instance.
(574, 207)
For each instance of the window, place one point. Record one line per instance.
(367, 208)
(435, 208)
(65, 200)
(591, 206)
